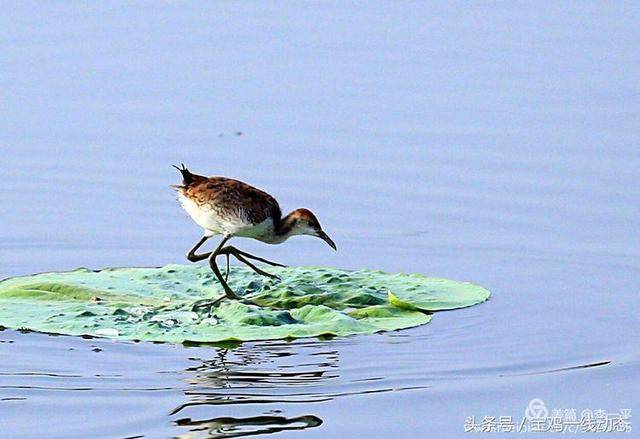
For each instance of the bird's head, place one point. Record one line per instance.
(304, 222)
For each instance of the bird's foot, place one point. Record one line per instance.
(266, 274)
(249, 302)
(273, 264)
(210, 303)
(207, 303)
(258, 270)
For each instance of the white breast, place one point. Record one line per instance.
(203, 216)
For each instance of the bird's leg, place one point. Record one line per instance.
(239, 255)
(226, 274)
(193, 257)
(227, 251)
(229, 294)
(212, 262)
(254, 268)
(257, 258)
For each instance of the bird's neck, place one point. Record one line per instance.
(285, 227)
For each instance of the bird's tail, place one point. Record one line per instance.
(187, 176)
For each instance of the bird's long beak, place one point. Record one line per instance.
(326, 239)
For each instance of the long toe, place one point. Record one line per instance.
(266, 274)
(274, 264)
(248, 302)
(206, 303)
(263, 273)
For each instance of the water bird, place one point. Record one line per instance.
(228, 207)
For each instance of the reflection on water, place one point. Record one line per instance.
(254, 375)
(235, 427)
(261, 374)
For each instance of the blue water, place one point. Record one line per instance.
(496, 143)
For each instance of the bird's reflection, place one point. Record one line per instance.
(233, 389)
(225, 427)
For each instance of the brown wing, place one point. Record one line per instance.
(235, 197)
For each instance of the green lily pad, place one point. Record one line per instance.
(157, 304)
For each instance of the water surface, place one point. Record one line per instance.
(496, 143)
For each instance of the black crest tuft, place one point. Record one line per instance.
(187, 176)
